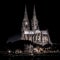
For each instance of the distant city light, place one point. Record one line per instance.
(9, 51)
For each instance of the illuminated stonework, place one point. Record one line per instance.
(34, 21)
(35, 35)
(25, 25)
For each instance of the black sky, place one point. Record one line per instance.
(12, 13)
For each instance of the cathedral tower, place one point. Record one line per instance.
(34, 21)
(25, 24)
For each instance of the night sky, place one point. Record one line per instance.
(12, 13)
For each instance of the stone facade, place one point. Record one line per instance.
(35, 35)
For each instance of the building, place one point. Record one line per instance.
(35, 35)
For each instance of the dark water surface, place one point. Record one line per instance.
(30, 58)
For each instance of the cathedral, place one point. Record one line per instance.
(35, 35)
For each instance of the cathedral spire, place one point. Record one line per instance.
(34, 21)
(34, 12)
(25, 24)
(25, 13)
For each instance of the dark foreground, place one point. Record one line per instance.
(31, 57)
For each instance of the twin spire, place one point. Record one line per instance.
(34, 24)
(26, 25)
(34, 21)
(25, 13)
(34, 12)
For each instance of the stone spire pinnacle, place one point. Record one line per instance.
(34, 12)
(25, 13)
(25, 24)
(34, 21)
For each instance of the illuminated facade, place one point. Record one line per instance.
(35, 35)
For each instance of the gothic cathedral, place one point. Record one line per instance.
(35, 35)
